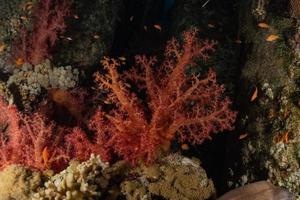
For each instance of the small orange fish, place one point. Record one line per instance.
(286, 137)
(281, 137)
(122, 58)
(254, 95)
(211, 25)
(45, 156)
(2, 47)
(243, 136)
(29, 7)
(185, 147)
(272, 38)
(238, 41)
(19, 61)
(263, 25)
(157, 26)
(96, 36)
(24, 18)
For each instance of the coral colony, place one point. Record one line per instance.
(135, 129)
(175, 103)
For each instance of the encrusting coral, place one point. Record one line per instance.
(173, 177)
(78, 182)
(193, 106)
(18, 182)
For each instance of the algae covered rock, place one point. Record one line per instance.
(271, 119)
(174, 177)
(91, 30)
(18, 182)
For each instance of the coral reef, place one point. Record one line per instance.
(175, 177)
(192, 106)
(78, 182)
(18, 182)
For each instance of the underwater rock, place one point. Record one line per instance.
(295, 7)
(261, 190)
(175, 177)
(91, 31)
(271, 149)
(18, 183)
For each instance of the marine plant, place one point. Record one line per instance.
(191, 107)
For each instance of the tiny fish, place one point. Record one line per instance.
(45, 156)
(272, 38)
(122, 58)
(2, 47)
(146, 28)
(96, 36)
(238, 41)
(261, 190)
(23, 18)
(29, 7)
(254, 94)
(211, 25)
(76, 16)
(69, 38)
(263, 25)
(157, 26)
(185, 147)
(131, 18)
(19, 61)
(243, 136)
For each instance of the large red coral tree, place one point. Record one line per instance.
(191, 106)
(48, 21)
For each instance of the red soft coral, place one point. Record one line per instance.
(32, 140)
(191, 106)
(48, 21)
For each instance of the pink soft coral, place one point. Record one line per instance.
(32, 140)
(191, 106)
